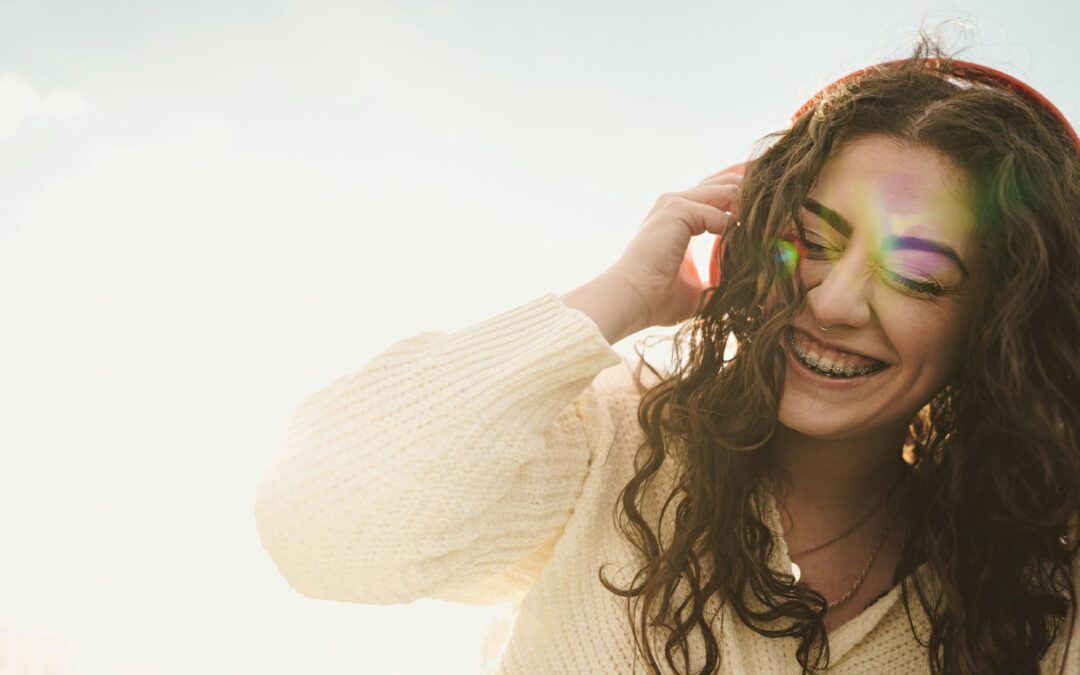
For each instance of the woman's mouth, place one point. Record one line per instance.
(830, 362)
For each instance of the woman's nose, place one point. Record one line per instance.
(841, 297)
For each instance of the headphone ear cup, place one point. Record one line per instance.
(717, 251)
(714, 263)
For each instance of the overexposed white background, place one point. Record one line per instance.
(209, 209)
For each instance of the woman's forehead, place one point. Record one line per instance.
(891, 188)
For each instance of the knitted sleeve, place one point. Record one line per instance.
(446, 467)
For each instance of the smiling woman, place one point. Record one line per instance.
(884, 476)
(884, 277)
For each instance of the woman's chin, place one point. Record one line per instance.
(832, 421)
(825, 428)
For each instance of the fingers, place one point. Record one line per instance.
(721, 177)
(700, 217)
(723, 196)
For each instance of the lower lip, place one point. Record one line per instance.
(824, 380)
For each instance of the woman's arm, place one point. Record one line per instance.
(446, 467)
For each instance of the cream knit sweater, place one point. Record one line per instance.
(482, 466)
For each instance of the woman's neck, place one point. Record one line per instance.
(835, 478)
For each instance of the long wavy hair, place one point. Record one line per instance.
(996, 462)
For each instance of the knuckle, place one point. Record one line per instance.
(669, 201)
(666, 209)
(679, 205)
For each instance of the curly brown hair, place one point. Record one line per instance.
(996, 473)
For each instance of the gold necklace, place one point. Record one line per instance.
(797, 573)
(814, 549)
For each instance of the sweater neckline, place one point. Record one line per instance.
(844, 638)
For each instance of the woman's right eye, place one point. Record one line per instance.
(814, 248)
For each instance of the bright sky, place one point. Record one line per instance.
(209, 209)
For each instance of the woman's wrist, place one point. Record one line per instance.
(610, 303)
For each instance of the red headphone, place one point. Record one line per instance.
(963, 70)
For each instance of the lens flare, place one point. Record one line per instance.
(908, 228)
(786, 255)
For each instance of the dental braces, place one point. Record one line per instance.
(831, 372)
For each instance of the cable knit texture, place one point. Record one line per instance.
(483, 467)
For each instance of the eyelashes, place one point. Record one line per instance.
(815, 250)
(931, 288)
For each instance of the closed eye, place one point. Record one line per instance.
(816, 249)
(921, 287)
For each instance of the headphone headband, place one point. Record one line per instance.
(964, 70)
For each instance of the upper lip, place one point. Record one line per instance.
(835, 345)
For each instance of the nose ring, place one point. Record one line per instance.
(822, 327)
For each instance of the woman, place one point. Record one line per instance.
(882, 476)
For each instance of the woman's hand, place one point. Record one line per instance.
(655, 282)
(657, 266)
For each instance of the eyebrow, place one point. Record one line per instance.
(841, 225)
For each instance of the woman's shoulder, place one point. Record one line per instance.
(619, 390)
(628, 379)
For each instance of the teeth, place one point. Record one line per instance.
(824, 366)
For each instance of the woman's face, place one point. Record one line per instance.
(886, 261)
